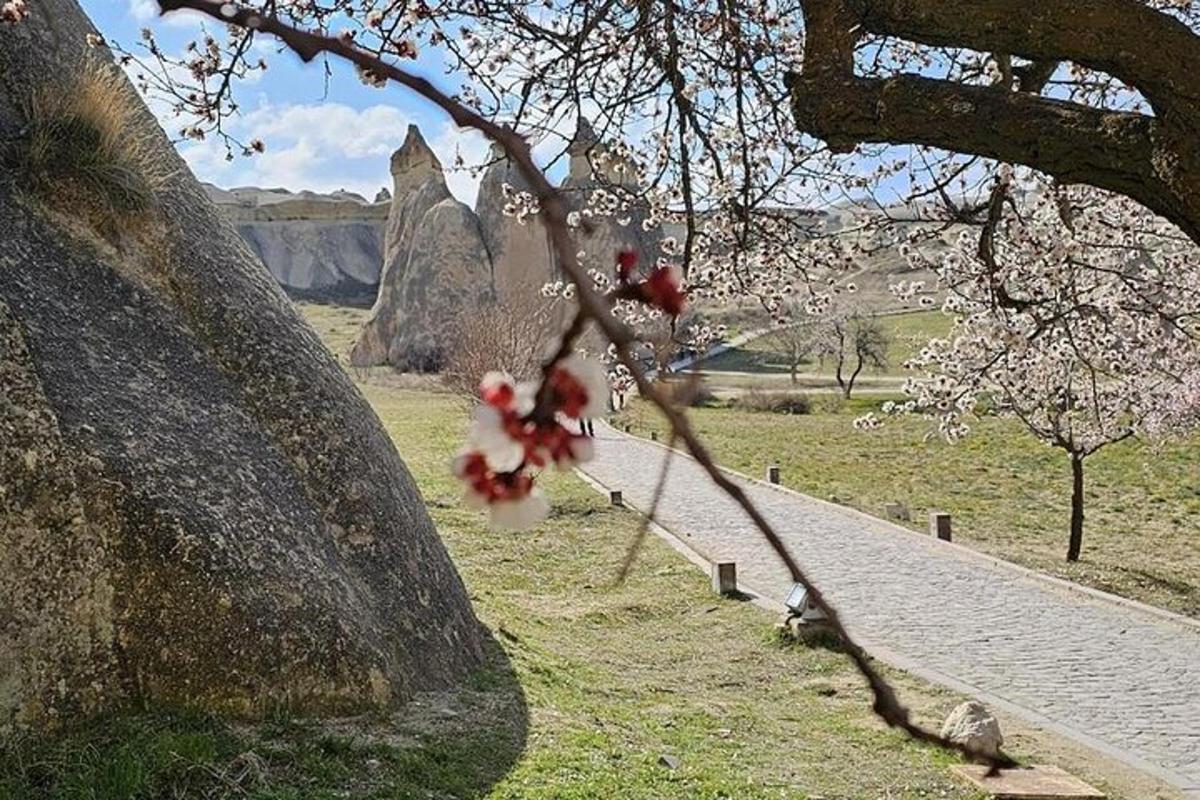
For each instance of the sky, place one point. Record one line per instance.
(318, 138)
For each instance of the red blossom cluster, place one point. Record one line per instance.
(13, 11)
(662, 289)
(523, 427)
(516, 431)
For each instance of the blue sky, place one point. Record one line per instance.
(317, 139)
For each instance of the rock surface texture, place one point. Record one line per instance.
(196, 505)
(324, 246)
(448, 273)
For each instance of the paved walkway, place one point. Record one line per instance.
(1122, 679)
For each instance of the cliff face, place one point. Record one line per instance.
(323, 246)
(196, 505)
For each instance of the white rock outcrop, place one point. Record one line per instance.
(971, 724)
(320, 245)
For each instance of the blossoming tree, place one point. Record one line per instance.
(1077, 314)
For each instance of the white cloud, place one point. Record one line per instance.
(324, 147)
(143, 10)
(146, 10)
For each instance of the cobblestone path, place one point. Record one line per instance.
(1112, 675)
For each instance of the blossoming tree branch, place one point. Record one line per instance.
(519, 427)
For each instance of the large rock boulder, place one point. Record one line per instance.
(522, 260)
(419, 185)
(197, 505)
(448, 274)
(322, 246)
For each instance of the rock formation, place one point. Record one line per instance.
(485, 254)
(419, 186)
(198, 508)
(522, 260)
(322, 246)
(448, 273)
(592, 174)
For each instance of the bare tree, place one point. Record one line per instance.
(796, 339)
(853, 341)
(509, 336)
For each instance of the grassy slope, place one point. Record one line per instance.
(1008, 494)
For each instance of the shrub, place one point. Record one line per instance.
(774, 402)
(687, 391)
(510, 337)
(81, 150)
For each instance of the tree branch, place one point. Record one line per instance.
(308, 45)
(1151, 159)
(1145, 48)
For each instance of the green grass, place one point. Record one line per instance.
(590, 684)
(1008, 494)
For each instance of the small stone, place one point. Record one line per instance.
(373, 764)
(972, 725)
(669, 761)
(897, 511)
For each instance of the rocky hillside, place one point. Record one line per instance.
(317, 246)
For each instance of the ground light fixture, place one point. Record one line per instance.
(800, 605)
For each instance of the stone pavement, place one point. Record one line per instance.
(1117, 677)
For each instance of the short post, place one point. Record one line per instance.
(724, 577)
(939, 525)
(654, 436)
(615, 497)
(627, 427)
(773, 473)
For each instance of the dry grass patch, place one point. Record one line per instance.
(82, 151)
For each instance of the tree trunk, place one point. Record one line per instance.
(1076, 542)
(849, 387)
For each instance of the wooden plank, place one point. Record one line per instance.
(1029, 783)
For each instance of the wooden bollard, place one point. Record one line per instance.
(654, 436)
(724, 577)
(773, 474)
(616, 498)
(939, 525)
